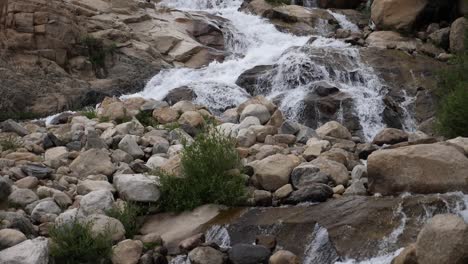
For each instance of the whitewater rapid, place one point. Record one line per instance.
(254, 41)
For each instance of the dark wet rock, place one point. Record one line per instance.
(357, 225)
(183, 93)
(311, 193)
(62, 118)
(307, 174)
(36, 170)
(249, 254)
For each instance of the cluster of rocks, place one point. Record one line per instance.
(79, 168)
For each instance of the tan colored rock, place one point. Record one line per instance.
(333, 129)
(29, 182)
(114, 111)
(430, 168)
(390, 136)
(391, 39)
(10, 237)
(444, 239)
(165, 115)
(127, 252)
(283, 192)
(460, 142)
(284, 257)
(192, 118)
(337, 171)
(23, 156)
(274, 171)
(396, 14)
(458, 34)
(92, 162)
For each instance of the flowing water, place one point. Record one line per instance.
(253, 41)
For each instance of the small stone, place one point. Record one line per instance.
(29, 182)
(165, 115)
(357, 188)
(192, 242)
(359, 172)
(333, 129)
(38, 171)
(284, 257)
(390, 136)
(12, 126)
(102, 224)
(10, 237)
(88, 186)
(127, 252)
(5, 189)
(136, 187)
(339, 189)
(44, 211)
(306, 174)
(312, 193)
(257, 110)
(289, 127)
(283, 192)
(22, 197)
(206, 255)
(262, 198)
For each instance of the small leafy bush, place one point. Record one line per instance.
(10, 143)
(89, 112)
(207, 166)
(128, 217)
(146, 119)
(452, 113)
(73, 243)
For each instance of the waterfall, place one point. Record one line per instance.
(319, 250)
(219, 235)
(253, 41)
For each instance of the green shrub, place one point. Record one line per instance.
(452, 112)
(10, 143)
(73, 243)
(207, 166)
(128, 217)
(146, 119)
(89, 112)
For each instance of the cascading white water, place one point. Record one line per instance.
(254, 41)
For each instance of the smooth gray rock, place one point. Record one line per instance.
(136, 187)
(12, 126)
(96, 202)
(306, 174)
(35, 251)
(129, 144)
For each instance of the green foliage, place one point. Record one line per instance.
(207, 166)
(97, 52)
(128, 217)
(452, 113)
(89, 112)
(171, 126)
(73, 243)
(146, 118)
(279, 2)
(10, 143)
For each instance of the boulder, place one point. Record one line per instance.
(396, 14)
(129, 144)
(257, 110)
(34, 251)
(192, 242)
(183, 93)
(127, 252)
(337, 171)
(407, 256)
(460, 142)
(429, 168)
(96, 202)
(248, 254)
(45, 211)
(10, 237)
(390, 136)
(92, 162)
(274, 171)
(102, 224)
(136, 188)
(333, 129)
(56, 153)
(206, 255)
(306, 174)
(22, 197)
(458, 35)
(444, 239)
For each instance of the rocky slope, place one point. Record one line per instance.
(79, 168)
(64, 55)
